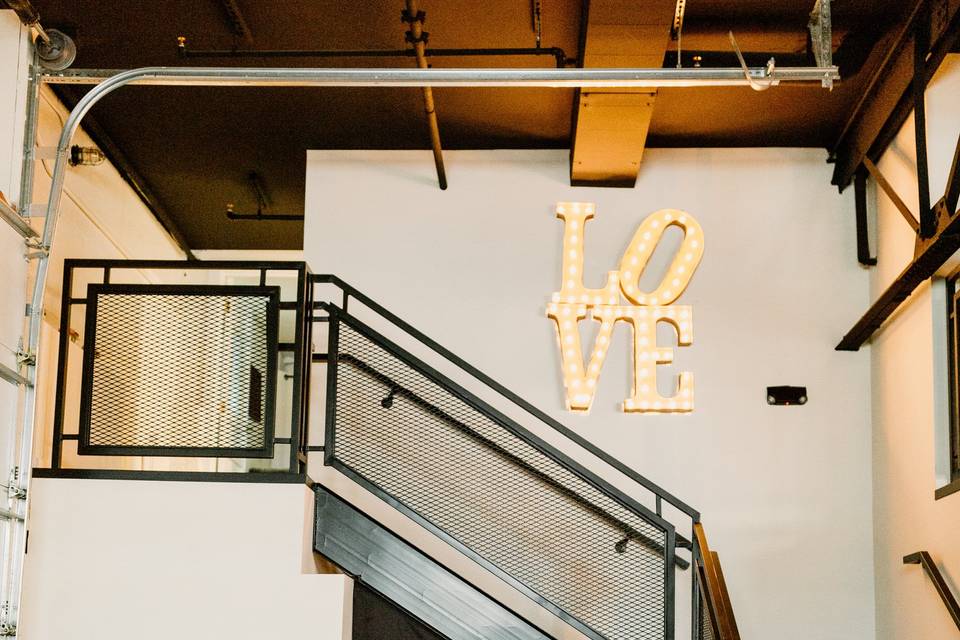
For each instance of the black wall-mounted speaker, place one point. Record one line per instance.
(786, 395)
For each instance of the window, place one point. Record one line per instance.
(953, 325)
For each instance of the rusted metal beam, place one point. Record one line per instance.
(931, 254)
(892, 194)
(889, 98)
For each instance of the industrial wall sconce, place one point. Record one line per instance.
(85, 156)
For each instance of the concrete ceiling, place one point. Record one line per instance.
(194, 147)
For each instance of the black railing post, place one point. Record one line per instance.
(695, 588)
(333, 357)
(669, 584)
(63, 351)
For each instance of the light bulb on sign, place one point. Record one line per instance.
(644, 312)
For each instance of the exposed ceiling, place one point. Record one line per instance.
(195, 147)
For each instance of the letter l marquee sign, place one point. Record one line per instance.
(646, 310)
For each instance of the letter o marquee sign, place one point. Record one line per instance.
(646, 310)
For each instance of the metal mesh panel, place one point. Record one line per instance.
(706, 627)
(504, 500)
(177, 371)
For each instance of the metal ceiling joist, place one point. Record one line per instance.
(930, 255)
(610, 125)
(888, 100)
(938, 230)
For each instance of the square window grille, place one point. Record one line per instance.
(171, 370)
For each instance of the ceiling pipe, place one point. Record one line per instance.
(327, 77)
(557, 53)
(417, 37)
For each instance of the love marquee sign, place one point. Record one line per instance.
(643, 312)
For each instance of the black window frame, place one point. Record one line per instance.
(953, 365)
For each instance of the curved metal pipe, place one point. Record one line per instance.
(555, 78)
(213, 76)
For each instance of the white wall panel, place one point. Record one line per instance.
(785, 491)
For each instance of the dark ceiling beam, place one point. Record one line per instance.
(889, 99)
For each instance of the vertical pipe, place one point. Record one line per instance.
(415, 36)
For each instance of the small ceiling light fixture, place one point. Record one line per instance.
(85, 156)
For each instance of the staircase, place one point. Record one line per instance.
(468, 461)
(457, 506)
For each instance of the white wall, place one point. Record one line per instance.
(910, 408)
(785, 491)
(116, 560)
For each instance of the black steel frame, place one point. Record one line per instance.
(308, 312)
(333, 313)
(914, 57)
(272, 294)
(337, 316)
(296, 466)
(953, 365)
(349, 292)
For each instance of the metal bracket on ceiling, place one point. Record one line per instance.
(677, 27)
(821, 37)
(263, 204)
(768, 70)
(412, 18)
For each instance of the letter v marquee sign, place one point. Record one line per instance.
(646, 310)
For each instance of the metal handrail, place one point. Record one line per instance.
(658, 491)
(929, 566)
(413, 397)
(336, 316)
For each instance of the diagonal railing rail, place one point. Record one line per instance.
(463, 467)
(940, 584)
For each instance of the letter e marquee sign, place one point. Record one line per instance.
(643, 313)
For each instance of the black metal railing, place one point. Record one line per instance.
(210, 361)
(458, 465)
(182, 361)
(923, 559)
